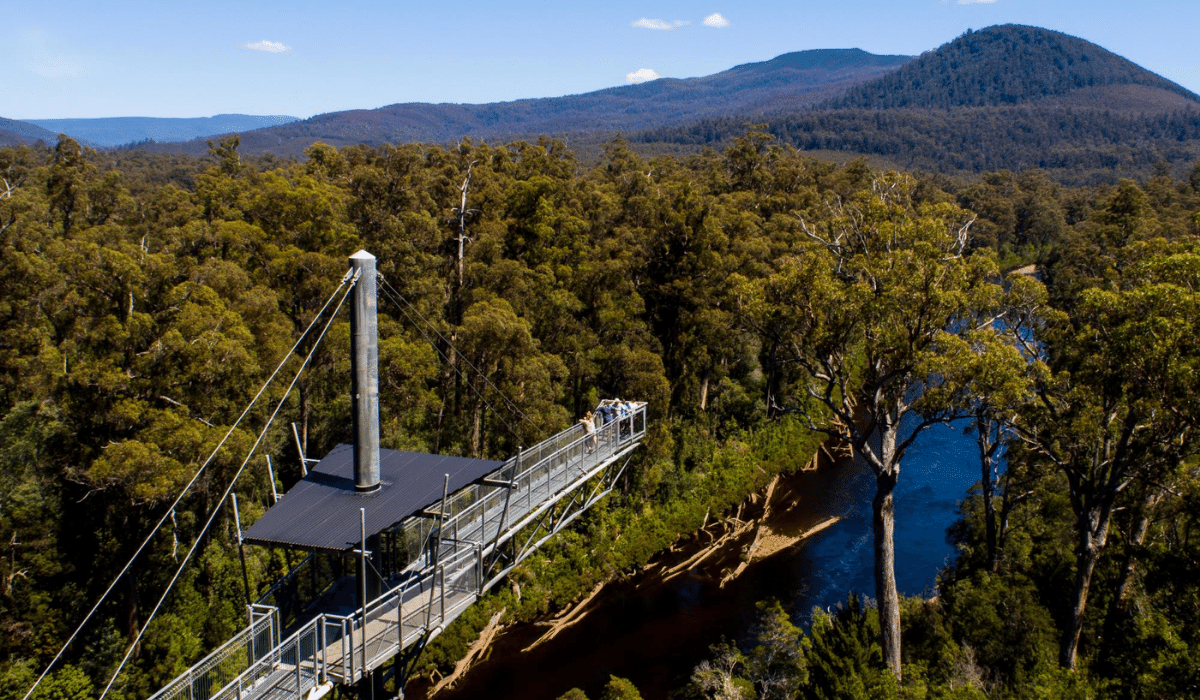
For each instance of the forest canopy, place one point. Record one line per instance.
(146, 297)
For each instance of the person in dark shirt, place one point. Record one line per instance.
(607, 411)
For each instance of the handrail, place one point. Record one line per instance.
(457, 575)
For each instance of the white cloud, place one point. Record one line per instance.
(647, 23)
(268, 46)
(976, 2)
(716, 21)
(641, 75)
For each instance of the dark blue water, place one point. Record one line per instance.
(935, 475)
(655, 636)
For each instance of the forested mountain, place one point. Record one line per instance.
(118, 131)
(1009, 97)
(1009, 65)
(790, 81)
(13, 132)
(1072, 145)
(1006, 97)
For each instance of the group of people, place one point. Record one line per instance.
(609, 410)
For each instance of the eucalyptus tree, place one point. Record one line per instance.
(1115, 397)
(67, 184)
(987, 372)
(864, 311)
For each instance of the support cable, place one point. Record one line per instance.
(511, 404)
(242, 468)
(170, 511)
(516, 409)
(443, 355)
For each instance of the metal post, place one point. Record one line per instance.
(437, 553)
(362, 514)
(364, 362)
(237, 520)
(432, 592)
(300, 451)
(348, 626)
(478, 569)
(324, 676)
(271, 474)
(503, 524)
(253, 637)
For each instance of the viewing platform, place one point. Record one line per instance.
(437, 534)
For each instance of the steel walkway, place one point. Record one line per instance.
(467, 543)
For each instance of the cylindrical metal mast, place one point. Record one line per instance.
(364, 362)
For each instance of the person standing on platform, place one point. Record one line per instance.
(607, 411)
(589, 425)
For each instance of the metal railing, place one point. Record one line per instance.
(447, 575)
(477, 514)
(228, 662)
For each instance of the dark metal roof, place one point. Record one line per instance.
(321, 511)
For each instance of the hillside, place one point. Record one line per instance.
(13, 132)
(791, 81)
(1007, 97)
(1073, 146)
(117, 131)
(1005, 65)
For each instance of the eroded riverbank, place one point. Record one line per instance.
(654, 630)
(651, 626)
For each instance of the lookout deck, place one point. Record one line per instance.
(464, 543)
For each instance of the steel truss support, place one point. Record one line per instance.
(404, 664)
(550, 519)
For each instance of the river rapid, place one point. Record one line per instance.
(654, 633)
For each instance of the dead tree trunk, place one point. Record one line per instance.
(463, 215)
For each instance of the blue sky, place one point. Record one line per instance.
(75, 58)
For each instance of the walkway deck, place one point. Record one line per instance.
(476, 537)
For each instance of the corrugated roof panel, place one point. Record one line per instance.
(321, 511)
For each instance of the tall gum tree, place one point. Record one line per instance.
(864, 311)
(987, 371)
(1115, 402)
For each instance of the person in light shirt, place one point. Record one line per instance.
(589, 425)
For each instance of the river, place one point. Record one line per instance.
(655, 634)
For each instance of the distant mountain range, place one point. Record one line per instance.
(119, 131)
(1004, 97)
(791, 81)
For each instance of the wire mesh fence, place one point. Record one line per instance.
(477, 513)
(206, 679)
